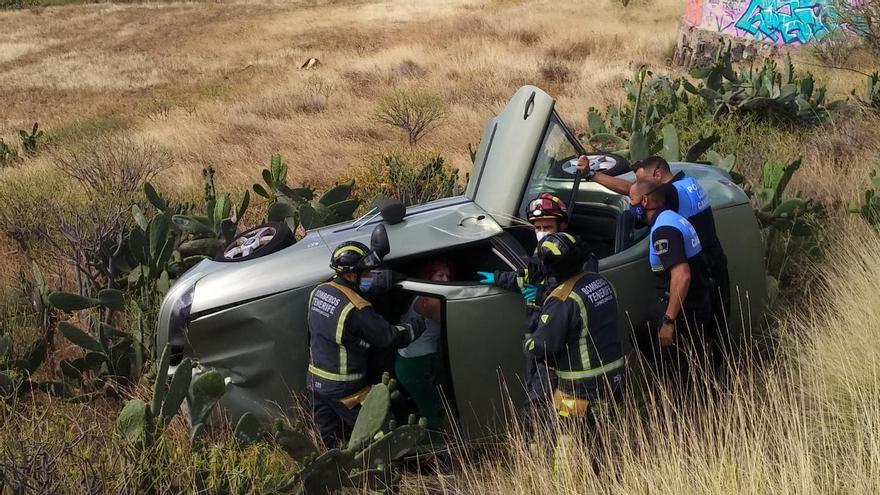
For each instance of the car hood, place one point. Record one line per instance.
(431, 227)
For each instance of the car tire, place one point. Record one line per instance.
(620, 167)
(259, 241)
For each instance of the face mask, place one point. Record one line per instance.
(541, 235)
(638, 212)
(365, 284)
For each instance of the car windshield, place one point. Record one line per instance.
(555, 160)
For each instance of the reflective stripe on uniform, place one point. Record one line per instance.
(336, 377)
(340, 329)
(582, 342)
(601, 370)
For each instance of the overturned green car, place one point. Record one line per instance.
(246, 316)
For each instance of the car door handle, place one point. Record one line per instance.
(530, 105)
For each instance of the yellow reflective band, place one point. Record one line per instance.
(349, 248)
(545, 318)
(531, 345)
(336, 377)
(569, 236)
(601, 370)
(340, 329)
(585, 330)
(552, 247)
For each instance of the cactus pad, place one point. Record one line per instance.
(207, 389)
(248, 430)
(177, 390)
(66, 301)
(372, 415)
(134, 422)
(295, 443)
(392, 446)
(327, 474)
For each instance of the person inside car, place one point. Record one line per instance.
(416, 364)
(343, 328)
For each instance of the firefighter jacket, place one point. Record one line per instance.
(343, 327)
(577, 332)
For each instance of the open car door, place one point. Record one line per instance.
(483, 328)
(506, 153)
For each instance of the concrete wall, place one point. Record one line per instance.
(754, 27)
(782, 22)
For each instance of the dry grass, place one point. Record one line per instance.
(229, 93)
(218, 84)
(806, 421)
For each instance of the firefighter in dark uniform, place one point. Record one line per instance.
(578, 333)
(343, 328)
(689, 200)
(547, 214)
(679, 328)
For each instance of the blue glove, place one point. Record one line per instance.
(530, 293)
(488, 278)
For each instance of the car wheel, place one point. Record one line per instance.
(259, 241)
(611, 164)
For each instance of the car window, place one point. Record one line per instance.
(554, 159)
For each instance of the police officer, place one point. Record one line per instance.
(343, 328)
(682, 314)
(578, 333)
(689, 200)
(548, 214)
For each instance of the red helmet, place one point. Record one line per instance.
(547, 205)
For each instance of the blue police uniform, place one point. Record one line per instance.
(673, 240)
(692, 202)
(343, 328)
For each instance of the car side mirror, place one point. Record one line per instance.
(379, 244)
(392, 211)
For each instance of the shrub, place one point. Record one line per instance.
(860, 17)
(8, 154)
(411, 177)
(870, 97)
(555, 72)
(835, 48)
(416, 112)
(113, 165)
(30, 141)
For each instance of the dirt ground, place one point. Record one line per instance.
(219, 83)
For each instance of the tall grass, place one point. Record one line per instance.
(806, 420)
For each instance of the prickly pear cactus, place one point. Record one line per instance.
(294, 442)
(325, 475)
(367, 461)
(248, 430)
(135, 423)
(373, 414)
(393, 445)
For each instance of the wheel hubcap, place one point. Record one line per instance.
(247, 244)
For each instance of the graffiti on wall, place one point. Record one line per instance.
(777, 21)
(786, 22)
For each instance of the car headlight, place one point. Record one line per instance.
(178, 323)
